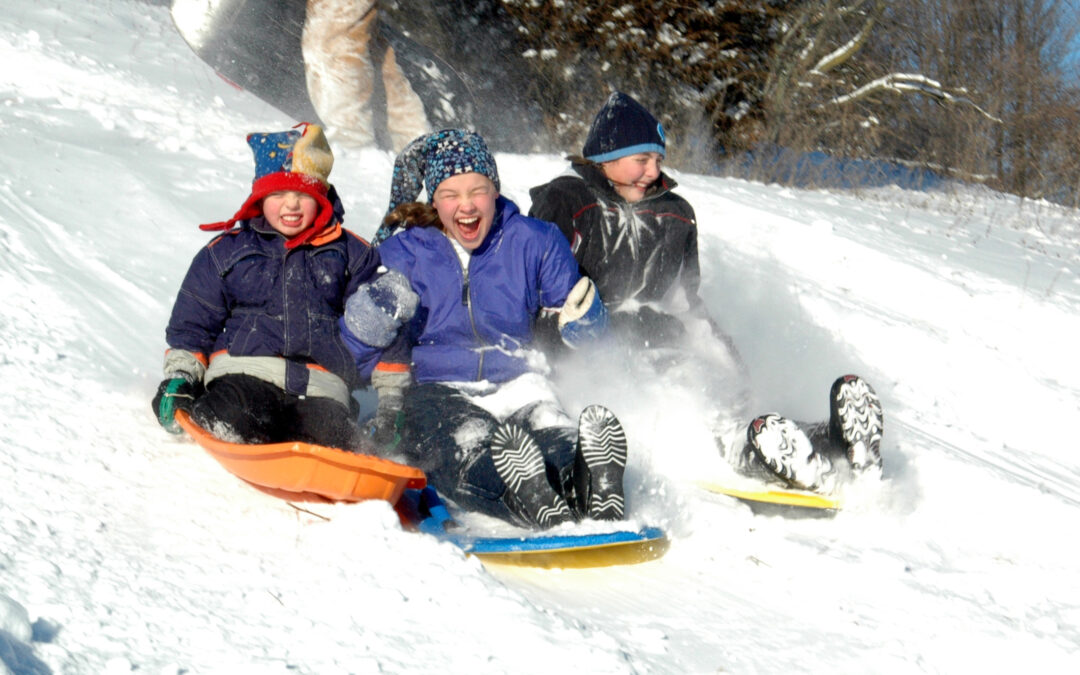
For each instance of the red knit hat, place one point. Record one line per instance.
(288, 160)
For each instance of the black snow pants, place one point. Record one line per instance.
(256, 411)
(448, 437)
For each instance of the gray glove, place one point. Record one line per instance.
(377, 309)
(385, 427)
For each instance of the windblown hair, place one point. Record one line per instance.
(580, 161)
(413, 214)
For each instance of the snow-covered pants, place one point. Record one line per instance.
(447, 435)
(251, 410)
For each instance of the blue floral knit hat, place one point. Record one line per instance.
(429, 160)
(623, 127)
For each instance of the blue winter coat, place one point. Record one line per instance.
(246, 294)
(472, 323)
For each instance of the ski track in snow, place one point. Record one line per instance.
(132, 550)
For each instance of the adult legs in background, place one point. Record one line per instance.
(343, 56)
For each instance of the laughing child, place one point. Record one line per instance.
(255, 354)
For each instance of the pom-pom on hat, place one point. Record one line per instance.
(623, 127)
(288, 161)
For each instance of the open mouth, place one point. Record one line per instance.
(468, 228)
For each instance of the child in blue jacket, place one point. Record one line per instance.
(480, 420)
(255, 353)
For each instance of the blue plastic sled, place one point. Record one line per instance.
(426, 512)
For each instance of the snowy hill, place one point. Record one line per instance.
(124, 549)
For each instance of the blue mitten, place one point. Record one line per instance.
(583, 317)
(377, 309)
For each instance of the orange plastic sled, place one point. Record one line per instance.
(305, 472)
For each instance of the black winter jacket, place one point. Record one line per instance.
(633, 251)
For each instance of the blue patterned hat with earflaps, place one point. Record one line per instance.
(289, 160)
(429, 160)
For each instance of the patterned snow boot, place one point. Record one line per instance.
(787, 452)
(856, 421)
(520, 465)
(599, 464)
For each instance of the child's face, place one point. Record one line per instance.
(290, 212)
(633, 174)
(466, 207)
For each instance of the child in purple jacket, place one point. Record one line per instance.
(480, 418)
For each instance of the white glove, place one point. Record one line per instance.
(583, 316)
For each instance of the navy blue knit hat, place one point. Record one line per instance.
(623, 127)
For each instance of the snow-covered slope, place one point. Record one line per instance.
(131, 550)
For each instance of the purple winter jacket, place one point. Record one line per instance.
(473, 322)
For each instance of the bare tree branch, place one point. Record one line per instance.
(910, 82)
(852, 46)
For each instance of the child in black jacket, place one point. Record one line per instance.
(637, 240)
(629, 232)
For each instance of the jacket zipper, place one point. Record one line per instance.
(466, 299)
(285, 301)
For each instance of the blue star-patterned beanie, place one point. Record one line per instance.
(298, 160)
(623, 127)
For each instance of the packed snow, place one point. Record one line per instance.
(124, 549)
